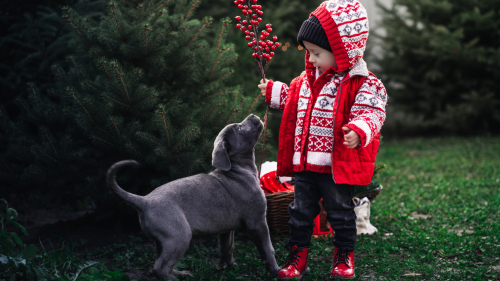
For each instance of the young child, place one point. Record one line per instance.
(329, 134)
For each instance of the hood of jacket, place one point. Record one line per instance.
(346, 25)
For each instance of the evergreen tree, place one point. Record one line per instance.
(32, 43)
(143, 85)
(440, 62)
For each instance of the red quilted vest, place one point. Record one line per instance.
(349, 166)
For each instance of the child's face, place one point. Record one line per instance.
(319, 57)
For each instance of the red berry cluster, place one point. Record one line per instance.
(262, 48)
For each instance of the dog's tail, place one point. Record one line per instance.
(135, 200)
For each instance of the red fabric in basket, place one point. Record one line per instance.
(270, 184)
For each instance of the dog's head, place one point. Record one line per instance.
(236, 140)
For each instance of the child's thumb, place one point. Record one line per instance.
(345, 129)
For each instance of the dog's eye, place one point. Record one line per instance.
(239, 127)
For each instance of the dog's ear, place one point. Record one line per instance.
(220, 156)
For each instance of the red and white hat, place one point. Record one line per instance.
(346, 25)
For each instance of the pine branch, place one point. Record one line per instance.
(88, 101)
(74, 63)
(113, 6)
(182, 36)
(233, 57)
(157, 143)
(211, 95)
(37, 147)
(215, 65)
(220, 115)
(162, 112)
(109, 39)
(190, 10)
(236, 96)
(241, 104)
(116, 128)
(230, 117)
(254, 101)
(105, 132)
(33, 98)
(131, 131)
(130, 50)
(138, 73)
(129, 146)
(205, 49)
(66, 15)
(210, 150)
(51, 144)
(161, 6)
(150, 97)
(158, 16)
(180, 7)
(208, 114)
(159, 72)
(105, 95)
(103, 63)
(115, 67)
(224, 24)
(183, 63)
(183, 138)
(95, 137)
(73, 94)
(168, 32)
(78, 116)
(147, 5)
(227, 73)
(197, 33)
(59, 76)
(131, 4)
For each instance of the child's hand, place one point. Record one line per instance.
(262, 86)
(351, 138)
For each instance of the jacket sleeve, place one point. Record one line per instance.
(368, 111)
(276, 94)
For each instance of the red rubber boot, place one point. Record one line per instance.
(296, 265)
(343, 264)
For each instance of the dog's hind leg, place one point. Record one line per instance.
(226, 249)
(262, 240)
(168, 252)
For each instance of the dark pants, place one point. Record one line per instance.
(310, 187)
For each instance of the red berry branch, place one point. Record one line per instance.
(262, 48)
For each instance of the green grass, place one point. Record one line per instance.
(454, 180)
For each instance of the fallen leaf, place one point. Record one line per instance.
(411, 274)
(420, 215)
(414, 152)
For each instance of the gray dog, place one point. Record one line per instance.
(217, 203)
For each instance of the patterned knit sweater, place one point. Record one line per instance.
(367, 114)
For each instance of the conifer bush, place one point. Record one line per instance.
(143, 85)
(440, 61)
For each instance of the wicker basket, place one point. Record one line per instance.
(277, 210)
(277, 205)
